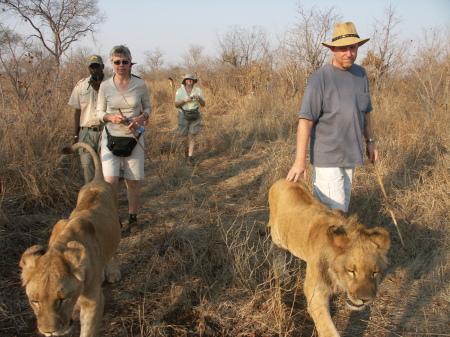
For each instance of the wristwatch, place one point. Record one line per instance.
(368, 140)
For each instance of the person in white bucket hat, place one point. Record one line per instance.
(189, 100)
(334, 117)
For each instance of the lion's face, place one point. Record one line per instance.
(52, 289)
(53, 300)
(357, 271)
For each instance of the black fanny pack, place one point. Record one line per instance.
(191, 115)
(121, 146)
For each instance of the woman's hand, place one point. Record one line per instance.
(137, 122)
(114, 118)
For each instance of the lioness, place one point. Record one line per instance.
(69, 274)
(341, 254)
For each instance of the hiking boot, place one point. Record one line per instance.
(133, 225)
(132, 219)
(191, 160)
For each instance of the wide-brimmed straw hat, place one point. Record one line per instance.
(188, 77)
(345, 34)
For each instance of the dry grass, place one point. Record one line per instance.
(199, 267)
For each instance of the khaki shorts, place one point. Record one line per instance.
(133, 165)
(185, 126)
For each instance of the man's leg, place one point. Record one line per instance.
(332, 186)
(348, 173)
(88, 166)
(90, 138)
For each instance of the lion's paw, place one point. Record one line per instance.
(113, 276)
(112, 271)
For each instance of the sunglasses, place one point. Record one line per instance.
(121, 61)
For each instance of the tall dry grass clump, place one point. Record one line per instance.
(36, 124)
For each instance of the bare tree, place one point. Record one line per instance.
(14, 61)
(431, 79)
(56, 23)
(314, 27)
(34, 88)
(193, 58)
(386, 54)
(290, 70)
(154, 60)
(301, 51)
(242, 46)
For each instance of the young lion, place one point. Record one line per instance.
(69, 274)
(341, 255)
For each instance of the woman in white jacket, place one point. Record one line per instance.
(124, 105)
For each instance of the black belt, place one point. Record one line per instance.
(93, 128)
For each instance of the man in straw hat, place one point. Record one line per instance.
(335, 115)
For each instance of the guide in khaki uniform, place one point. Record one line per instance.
(87, 128)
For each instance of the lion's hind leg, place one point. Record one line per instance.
(112, 270)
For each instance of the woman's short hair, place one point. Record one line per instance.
(120, 50)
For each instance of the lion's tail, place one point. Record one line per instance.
(97, 164)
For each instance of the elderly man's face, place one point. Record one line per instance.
(344, 56)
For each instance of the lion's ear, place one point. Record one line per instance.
(28, 261)
(77, 259)
(338, 238)
(380, 237)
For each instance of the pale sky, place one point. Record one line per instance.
(173, 25)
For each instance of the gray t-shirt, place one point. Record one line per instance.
(336, 101)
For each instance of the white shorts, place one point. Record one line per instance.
(333, 186)
(133, 165)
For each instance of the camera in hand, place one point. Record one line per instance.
(94, 77)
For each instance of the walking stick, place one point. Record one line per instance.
(151, 161)
(387, 203)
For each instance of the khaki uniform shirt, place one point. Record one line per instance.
(84, 97)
